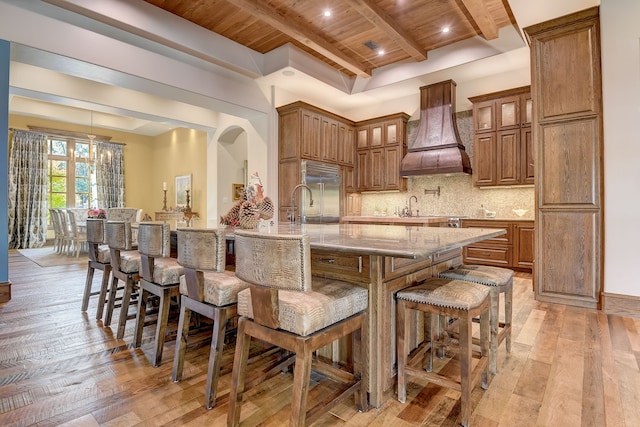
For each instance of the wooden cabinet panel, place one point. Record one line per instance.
(383, 140)
(505, 239)
(565, 65)
(392, 159)
(484, 116)
(508, 112)
(330, 140)
(289, 135)
(511, 250)
(570, 86)
(526, 109)
(569, 255)
(311, 135)
(508, 157)
(363, 137)
(484, 153)
(392, 132)
(570, 155)
(347, 145)
(377, 171)
(363, 170)
(500, 257)
(523, 245)
(500, 151)
(527, 167)
(349, 179)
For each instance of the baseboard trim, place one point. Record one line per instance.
(5, 291)
(621, 305)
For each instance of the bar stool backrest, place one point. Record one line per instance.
(202, 249)
(119, 235)
(274, 260)
(122, 214)
(154, 239)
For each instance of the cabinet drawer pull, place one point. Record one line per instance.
(393, 264)
(360, 264)
(327, 260)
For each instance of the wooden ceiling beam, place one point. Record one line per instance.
(378, 17)
(296, 30)
(481, 16)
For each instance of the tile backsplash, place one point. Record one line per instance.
(458, 196)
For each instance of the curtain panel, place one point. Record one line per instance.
(110, 175)
(27, 189)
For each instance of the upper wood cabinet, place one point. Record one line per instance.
(566, 77)
(502, 140)
(381, 145)
(307, 132)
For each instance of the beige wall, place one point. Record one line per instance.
(179, 152)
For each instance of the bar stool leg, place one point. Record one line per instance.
(402, 326)
(465, 367)
(494, 298)
(508, 313)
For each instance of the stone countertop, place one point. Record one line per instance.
(386, 240)
(500, 219)
(394, 219)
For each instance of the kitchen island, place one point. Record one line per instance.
(384, 259)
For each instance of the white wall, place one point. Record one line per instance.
(620, 38)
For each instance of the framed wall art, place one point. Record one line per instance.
(236, 191)
(183, 183)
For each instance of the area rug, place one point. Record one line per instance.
(47, 257)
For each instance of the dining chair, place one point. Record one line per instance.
(160, 276)
(78, 237)
(125, 265)
(58, 234)
(287, 307)
(208, 289)
(100, 259)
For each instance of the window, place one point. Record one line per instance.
(71, 180)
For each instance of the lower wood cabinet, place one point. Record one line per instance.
(511, 250)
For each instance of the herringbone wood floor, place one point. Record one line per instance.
(568, 367)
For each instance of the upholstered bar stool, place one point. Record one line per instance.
(286, 307)
(159, 276)
(100, 259)
(125, 265)
(452, 298)
(500, 281)
(210, 291)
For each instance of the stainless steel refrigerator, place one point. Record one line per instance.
(324, 181)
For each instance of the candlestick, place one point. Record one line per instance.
(164, 201)
(188, 208)
(164, 186)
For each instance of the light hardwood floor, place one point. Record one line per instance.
(58, 366)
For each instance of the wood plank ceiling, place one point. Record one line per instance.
(349, 39)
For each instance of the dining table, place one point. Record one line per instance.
(384, 259)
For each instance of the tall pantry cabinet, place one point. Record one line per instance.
(567, 130)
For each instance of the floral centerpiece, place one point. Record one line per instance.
(97, 213)
(251, 208)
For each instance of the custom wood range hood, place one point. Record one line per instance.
(437, 148)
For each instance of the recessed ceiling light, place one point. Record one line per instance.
(327, 13)
(445, 29)
(381, 52)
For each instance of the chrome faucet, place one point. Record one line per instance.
(411, 211)
(292, 217)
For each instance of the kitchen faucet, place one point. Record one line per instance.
(292, 217)
(410, 211)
